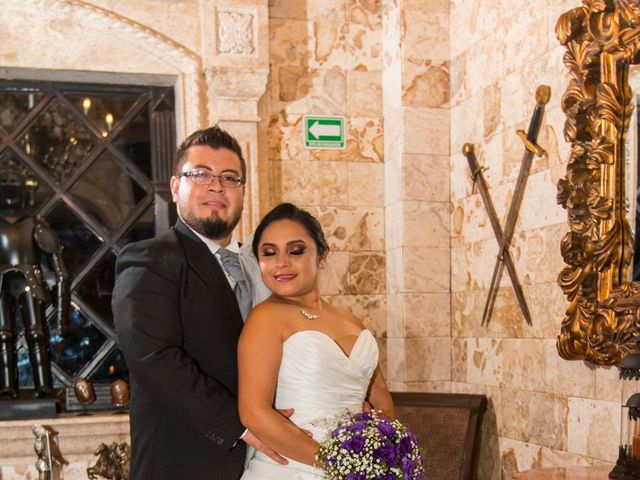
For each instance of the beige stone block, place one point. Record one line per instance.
(594, 428)
(395, 315)
(459, 360)
(426, 131)
(523, 362)
(330, 11)
(299, 90)
(396, 360)
(315, 183)
(366, 184)
(394, 228)
(528, 455)
(466, 125)
(333, 278)
(364, 93)
(352, 228)
(395, 270)
(538, 253)
(608, 385)
(393, 181)
(289, 42)
(427, 314)
(534, 417)
(425, 84)
(492, 419)
(428, 359)
(491, 109)
(458, 88)
(426, 34)
(567, 377)
(460, 178)
(327, 52)
(365, 12)
(539, 207)
(426, 224)
(371, 309)
(362, 47)
(485, 359)
(426, 269)
(367, 273)
(431, 387)
(426, 178)
(365, 140)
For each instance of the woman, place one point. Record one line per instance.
(297, 351)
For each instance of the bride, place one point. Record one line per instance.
(298, 351)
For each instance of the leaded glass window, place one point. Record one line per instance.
(101, 157)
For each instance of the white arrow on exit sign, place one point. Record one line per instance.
(324, 132)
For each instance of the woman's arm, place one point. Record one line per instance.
(379, 396)
(259, 356)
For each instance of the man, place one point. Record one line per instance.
(178, 322)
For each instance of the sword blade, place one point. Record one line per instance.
(497, 230)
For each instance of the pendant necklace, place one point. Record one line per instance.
(305, 313)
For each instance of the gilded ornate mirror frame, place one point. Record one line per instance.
(602, 322)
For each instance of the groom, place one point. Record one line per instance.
(179, 305)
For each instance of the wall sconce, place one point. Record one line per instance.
(628, 465)
(108, 119)
(86, 105)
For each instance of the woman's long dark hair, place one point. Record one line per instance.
(288, 211)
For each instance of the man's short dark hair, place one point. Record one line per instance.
(214, 137)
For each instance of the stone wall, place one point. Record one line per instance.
(326, 59)
(544, 411)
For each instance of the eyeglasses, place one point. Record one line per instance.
(205, 178)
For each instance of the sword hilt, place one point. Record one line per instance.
(529, 145)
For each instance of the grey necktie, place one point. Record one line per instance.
(231, 264)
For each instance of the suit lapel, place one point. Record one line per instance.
(204, 264)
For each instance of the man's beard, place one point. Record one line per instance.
(212, 228)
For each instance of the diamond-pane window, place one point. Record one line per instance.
(14, 106)
(58, 142)
(86, 154)
(107, 192)
(36, 191)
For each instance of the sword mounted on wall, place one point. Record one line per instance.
(504, 237)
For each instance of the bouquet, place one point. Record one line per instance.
(368, 446)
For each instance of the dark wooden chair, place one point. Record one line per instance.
(447, 426)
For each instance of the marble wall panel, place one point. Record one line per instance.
(426, 224)
(327, 11)
(332, 279)
(435, 141)
(365, 181)
(351, 229)
(426, 177)
(426, 314)
(459, 360)
(419, 279)
(594, 428)
(365, 12)
(315, 183)
(426, 84)
(364, 92)
(361, 47)
(608, 385)
(485, 361)
(434, 386)
(567, 378)
(396, 363)
(428, 359)
(534, 417)
(426, 33)
(367, 273)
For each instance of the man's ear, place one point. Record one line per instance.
(174, 184)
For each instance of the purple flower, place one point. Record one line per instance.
(354, 445)
(357, 476)
(408, 466)
(386, 429)
(404, 447)
(386, 476)
(356, 427)
(386, 453)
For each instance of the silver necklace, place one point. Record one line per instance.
(305, 313)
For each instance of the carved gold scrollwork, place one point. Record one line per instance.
(602, 322)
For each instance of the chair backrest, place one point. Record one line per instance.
(447, 426)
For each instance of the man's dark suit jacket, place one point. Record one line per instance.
(178, 324)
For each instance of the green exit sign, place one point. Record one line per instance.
(324, 132)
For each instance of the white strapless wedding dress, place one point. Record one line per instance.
(318, 381)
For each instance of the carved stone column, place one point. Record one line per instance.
(236, 66)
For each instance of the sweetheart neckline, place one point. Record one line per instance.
(330, 338)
